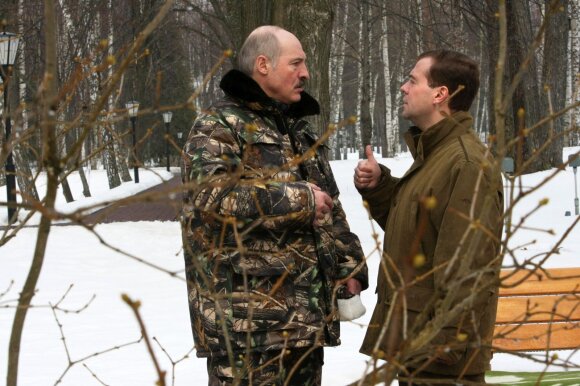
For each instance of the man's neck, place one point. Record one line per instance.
(434, 119)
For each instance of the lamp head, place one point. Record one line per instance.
(132, 108)
(167, 116)
(8, 48)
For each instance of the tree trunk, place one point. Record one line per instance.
(50, 158)
(491, 36)
(66, 191)
(21, 153)
(110, 159)
(123, 166)
(574, 84)
(574, 138)
(336, 79)
(366, 124)
(425, 14)
(311, 21)
(554, 76)
(527, 94)
(24, 177)
(391, 129)
(107, 32)
(86, 189)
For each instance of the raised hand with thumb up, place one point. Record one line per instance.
(367, 173)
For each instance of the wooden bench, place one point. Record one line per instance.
(539, 313)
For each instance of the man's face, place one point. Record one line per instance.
(285, 82)
(418, 105)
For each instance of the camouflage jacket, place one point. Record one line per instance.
(259, 275)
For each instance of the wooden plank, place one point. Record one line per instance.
(558, 281)
(538, 309)
(532, 337)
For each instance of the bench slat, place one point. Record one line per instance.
(539, 284)
(530, 337)
(513, 309)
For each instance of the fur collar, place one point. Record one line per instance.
(238, 85)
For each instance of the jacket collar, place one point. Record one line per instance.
(422, 143)
(240, 86)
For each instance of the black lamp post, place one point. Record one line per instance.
(574, 160)
(132, 109)
(167, 119)
(8, 47)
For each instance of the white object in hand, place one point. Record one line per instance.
(350, 309)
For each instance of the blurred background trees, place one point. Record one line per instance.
(359, 53)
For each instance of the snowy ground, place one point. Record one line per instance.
(75, 256)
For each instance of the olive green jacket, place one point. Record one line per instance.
(446, 275)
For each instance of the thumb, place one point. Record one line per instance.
(369, 153)
(314, 186)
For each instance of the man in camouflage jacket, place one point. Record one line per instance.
(267, 245)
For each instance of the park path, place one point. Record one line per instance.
(164, 206)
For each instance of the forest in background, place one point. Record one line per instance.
(359, 53)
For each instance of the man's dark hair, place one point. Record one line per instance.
(453, 69)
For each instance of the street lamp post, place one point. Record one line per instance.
(575, 162)
(132, 109)
(8, 47)
(507, 166)
(167, 119)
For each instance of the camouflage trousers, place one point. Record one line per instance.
(300, 366)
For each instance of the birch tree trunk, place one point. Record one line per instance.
(109, 158)
(391, 130)
(336, 69)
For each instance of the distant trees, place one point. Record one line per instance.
(359, 53)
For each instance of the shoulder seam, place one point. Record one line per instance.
(464, 149)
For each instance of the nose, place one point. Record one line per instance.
(304, 75)
(404, 88)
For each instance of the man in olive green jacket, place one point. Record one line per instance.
(438, 280)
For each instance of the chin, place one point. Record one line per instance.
(295, 99)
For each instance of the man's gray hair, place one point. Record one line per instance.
(262, 41)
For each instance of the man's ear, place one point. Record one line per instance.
(441, 95)
(262, 65)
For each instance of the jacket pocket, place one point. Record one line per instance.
(262, 258)
(258, 303)
(264, 151)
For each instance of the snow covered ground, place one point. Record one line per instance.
(77, 257)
